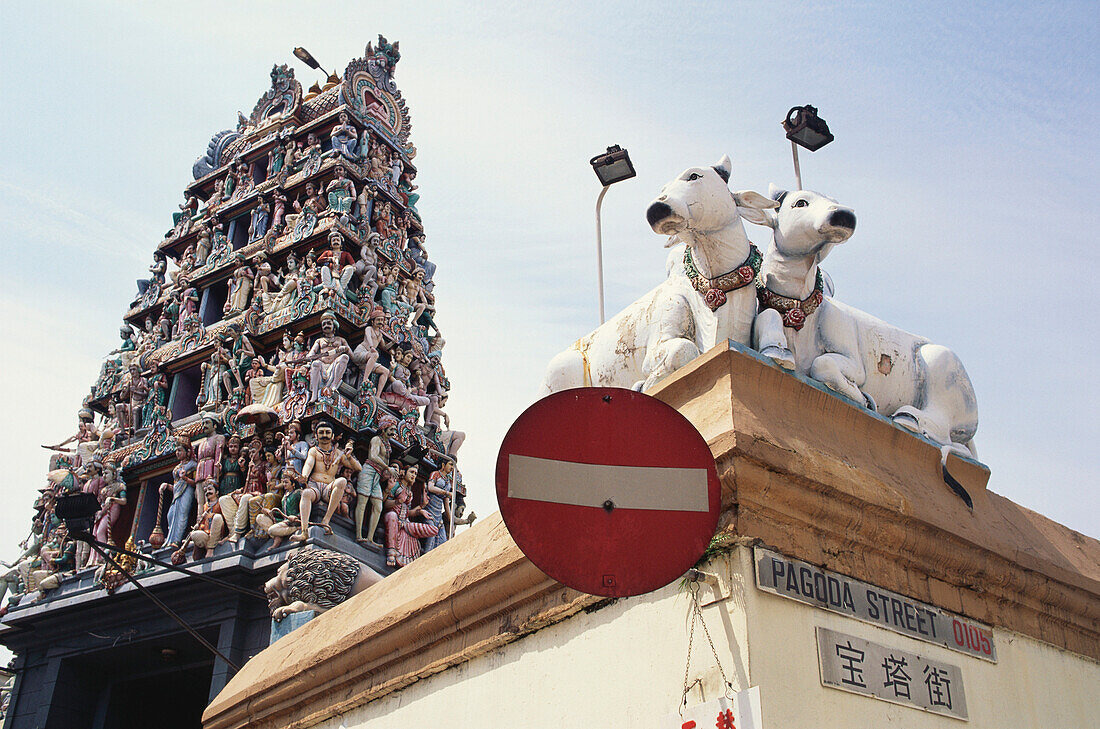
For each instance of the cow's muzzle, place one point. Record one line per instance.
(660, 217)
(843, 219)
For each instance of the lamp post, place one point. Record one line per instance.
(611, 167)
(307, 58)
(805, 129)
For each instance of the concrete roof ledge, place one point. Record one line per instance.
(814, 475)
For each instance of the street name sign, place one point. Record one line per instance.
(890, 674)
(806, 583)
(608, 491)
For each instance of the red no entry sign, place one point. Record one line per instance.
(609, 491)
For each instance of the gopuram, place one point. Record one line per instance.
(273, 417)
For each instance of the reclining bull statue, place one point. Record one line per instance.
(707, 297)
(920, 385)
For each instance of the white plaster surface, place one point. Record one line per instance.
(623, 666)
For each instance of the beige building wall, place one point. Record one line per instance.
(1033, 684)
(619, 666)
(623, 666)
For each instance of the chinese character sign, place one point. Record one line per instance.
(742, 711)
(860, 666)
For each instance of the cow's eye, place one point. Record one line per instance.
(694, 176)
(801, 203)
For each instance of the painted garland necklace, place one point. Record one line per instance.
(328, 457)
(714, 290)
(794, 311)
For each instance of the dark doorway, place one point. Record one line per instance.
(162, 682)
(167, 701)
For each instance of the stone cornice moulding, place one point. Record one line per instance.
(819, 478)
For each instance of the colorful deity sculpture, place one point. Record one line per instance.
(182, 490)
(259, 220)
(344, 137)
(240, 289)
(402, 534)
(360, 193)
(209, 526)
(337, 266)
(438, 488)
(86, 438)
(112, 499)
(328, 358)
(322, 465)
(368, 486)
(341, 194)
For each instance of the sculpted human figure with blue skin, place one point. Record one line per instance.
(343, 138)
(183, 497)
(261, 217)
(438, 488)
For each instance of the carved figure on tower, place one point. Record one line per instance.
(345, 138)
(322, 465)
(328, 358)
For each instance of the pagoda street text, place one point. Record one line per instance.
(812, 585)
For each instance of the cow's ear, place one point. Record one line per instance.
(723, 168)
(776, 193)
(753, 207)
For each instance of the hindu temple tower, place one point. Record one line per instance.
(291, 300)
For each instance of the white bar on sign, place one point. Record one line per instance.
(591, 484)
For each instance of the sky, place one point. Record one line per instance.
(963, 135)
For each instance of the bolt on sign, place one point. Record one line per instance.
(608, 491)
(852, 664)
(741, 711)
(820, 588)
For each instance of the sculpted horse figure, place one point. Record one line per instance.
(920, 385)
(707, 297)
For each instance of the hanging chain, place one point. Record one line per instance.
(697, 617)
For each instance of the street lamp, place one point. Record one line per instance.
(805, 129)
(611, 167)
(307, 58)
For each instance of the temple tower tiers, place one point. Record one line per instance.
(279, 384)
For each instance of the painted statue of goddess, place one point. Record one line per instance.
(183, 497)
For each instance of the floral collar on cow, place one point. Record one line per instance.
(714, 290)
(794, 311)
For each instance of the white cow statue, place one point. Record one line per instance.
(921, 386)
(707, 298)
